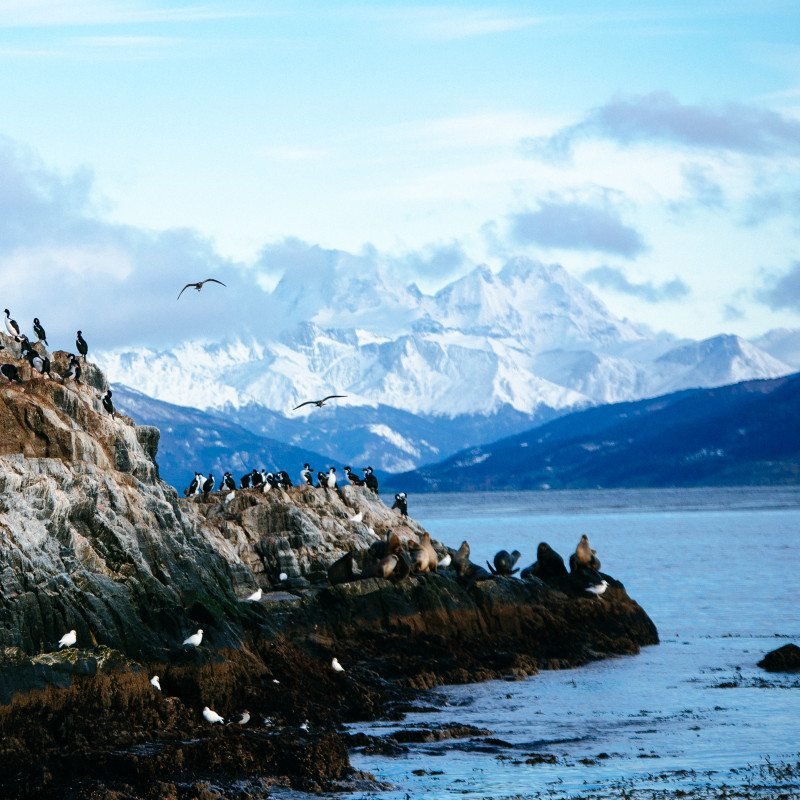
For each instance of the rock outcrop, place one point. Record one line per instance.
(91, 539)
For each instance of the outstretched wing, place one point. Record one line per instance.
(332, 396)
(213, 280)
(184, 289)
(307, 403)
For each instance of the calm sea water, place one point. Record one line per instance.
(716, 569)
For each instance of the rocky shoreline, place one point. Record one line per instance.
(92, 540)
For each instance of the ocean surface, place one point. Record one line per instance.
(716, 570)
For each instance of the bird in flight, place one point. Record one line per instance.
(318, 403)
(199, 285)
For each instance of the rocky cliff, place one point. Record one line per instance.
(92, 540)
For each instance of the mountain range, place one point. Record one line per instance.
(745, 433)
(426, 375)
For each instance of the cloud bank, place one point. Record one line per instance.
(782, 291)
(611, 278)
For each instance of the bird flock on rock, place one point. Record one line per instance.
(39, 362)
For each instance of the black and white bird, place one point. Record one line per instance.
(244, 481)
(322, 479)
(208, 485)
(598, 588)
(370, 480)
(192, 488)
(284, 479)
(228, 482)
(11, 325)
(74, 369)
(40, 363)
(330, 481)
(356, 480)
(154, 681)
(10, 372)
(39, 330)
(212, 716)
(319, 403)
(239, 719)
(256, 478)
(108, 403)
(25, 346)
(201, 479)
(81, 346)
(68, 639)
(198, 285)
(305, 476)
(401, 503)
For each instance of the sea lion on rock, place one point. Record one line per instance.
(391, 545)
(420, 557)
(548, 566)
(386, 566)
(433, 558)
(344, 570)
(504, 563)
(466, 571)
(584, 556)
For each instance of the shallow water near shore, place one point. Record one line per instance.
(716, 571)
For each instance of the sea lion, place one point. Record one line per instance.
(420, 558)
(386, 566)
(433, 558)
(344, 570)
(548, 566)
(504, 563)
(466, 571)
(584, 556)
(392, 544)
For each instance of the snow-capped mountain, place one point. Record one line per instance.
(428, 374)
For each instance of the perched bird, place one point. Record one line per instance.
(255, 597)
(10, 372)
(154, 681)
(212, 716)
(322, 479)
(318, 403)
(208, 485)
(199, 285)
(244, 481)
(192, 488)
(370, 480)
(80, 344)
(68, 639)
(11, 325)
(284, 479)
(108, 403)
(401, 503)
(256, 478)
(39, 330)
(336, 666)
(25, 346)
(283, 576)
(195, 639)
(74, 369)
(445, 562)
(598, 588)
(228, 482)
(39, 363)
(240, 719)
(357, 517)
(330, 481)
(356, 480)
(229, 497)
(305, 475)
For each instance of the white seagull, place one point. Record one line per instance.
(357, 517)
(155, 682)
(598, 588)
(336, 666)
(445, 562)
(68, 639)
(195, 639)
(255, 597)
(212, 716)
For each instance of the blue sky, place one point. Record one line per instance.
(652, 149)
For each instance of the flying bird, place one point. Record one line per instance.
(198, 285)
(195, 639)
(154, 681)
(212, 716)
(318, 403)
(68, 639)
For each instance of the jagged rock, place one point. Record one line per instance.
(784, 659)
